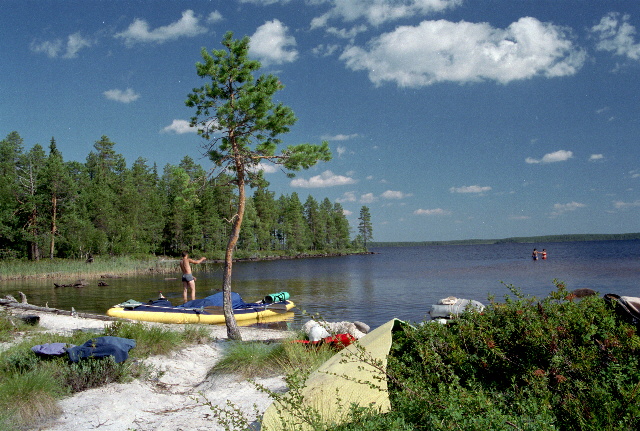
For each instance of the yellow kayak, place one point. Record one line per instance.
(207, 315)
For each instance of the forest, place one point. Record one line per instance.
(52, 208)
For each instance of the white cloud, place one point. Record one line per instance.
(623, 205)
(367, 198)
(271, 45)
(616, 35)
(596, 157)
(49, 47)
(440, 51)
(559, 209)
(470, 189)
(376, 12)
(435, 211)
(55, 48)
(325, 50)
(347, 197)
(339, 137)
(556, 156)
(214, 17)
(325, 179)
(393, 194)
(139, 31)
(265, 2)
(75, 43)
(341, 150)
(179, 127)
(519, 217)
(126, 96)
(634, 174)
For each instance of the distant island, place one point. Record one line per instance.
(514, 240)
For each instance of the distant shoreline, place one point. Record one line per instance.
(514, 240)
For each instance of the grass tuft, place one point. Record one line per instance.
(258, 359)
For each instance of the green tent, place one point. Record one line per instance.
(347, 378)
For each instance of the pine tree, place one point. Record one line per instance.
(241, 124)
(364, 227)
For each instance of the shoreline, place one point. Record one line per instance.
(159, 266)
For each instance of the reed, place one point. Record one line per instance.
(80, 269)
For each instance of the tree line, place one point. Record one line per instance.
(50, 207)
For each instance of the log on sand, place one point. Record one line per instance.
(11, 302)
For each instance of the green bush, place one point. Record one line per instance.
(523, 364)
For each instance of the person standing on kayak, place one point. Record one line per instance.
(188, 280)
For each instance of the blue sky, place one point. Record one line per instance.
(449, 119)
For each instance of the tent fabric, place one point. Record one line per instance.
(101, 347)
(333, 387)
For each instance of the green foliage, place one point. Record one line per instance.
(524, 364)
(91, 373)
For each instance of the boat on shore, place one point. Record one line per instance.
(207, 310)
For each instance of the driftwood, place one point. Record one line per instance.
(79, 283)
(10, 301)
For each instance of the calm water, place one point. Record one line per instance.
(398, 282)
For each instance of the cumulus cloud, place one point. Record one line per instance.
(559, 209)
(341, 150)
(596, 157)
(179, 127)
(347, 197)
(440, 51)
(367, 198)
(214, 17)
(271, 45)
(470, 189)
(57, 48)
(126, 96)
(377, 12)
(616, 35)
(432, 212)
(325, 179)
(139, 31)
(393, 194)
(556, 156)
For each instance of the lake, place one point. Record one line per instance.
(399, 282)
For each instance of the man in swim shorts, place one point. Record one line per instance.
(188, 280)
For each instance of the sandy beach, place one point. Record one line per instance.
(176, 399)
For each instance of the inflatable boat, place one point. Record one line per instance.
(207, 310)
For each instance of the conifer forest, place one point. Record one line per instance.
(52, 208)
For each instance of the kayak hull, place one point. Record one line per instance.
(210, 315)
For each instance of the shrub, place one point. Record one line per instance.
(523, 364)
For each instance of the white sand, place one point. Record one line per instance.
(175, 400)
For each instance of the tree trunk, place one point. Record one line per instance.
(233, 331)
(54, 228)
